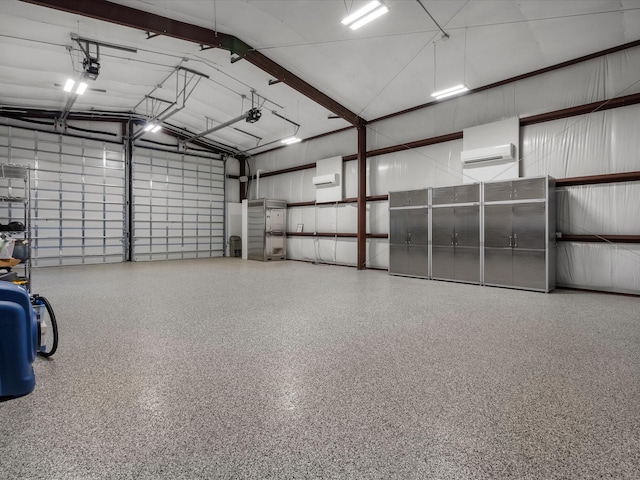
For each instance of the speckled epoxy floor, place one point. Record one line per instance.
(231, 369)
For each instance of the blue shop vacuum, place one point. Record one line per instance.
(28, 328)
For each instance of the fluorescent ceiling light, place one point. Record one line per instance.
(372, 16)
(69, 85)
(369, 12)
(152, 127)
(82, 87)
(448, 92)
(291, 140)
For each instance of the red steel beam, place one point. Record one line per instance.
(362, 197)
(600, 238)
(149, 22)
(598, 179)
(335, 234)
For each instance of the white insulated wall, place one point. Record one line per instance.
(597, 143)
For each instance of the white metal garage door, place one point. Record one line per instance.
(77, 195)
(178, 206)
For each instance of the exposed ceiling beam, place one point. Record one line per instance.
(151, 23)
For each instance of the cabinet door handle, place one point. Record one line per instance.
(455, 239)
(409, 241)
(515, 239)
(510, 241)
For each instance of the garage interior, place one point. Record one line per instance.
(181, 356)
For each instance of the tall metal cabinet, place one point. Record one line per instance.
(519, 233)
(409, 233)
(266, 229)
(15, 219)
(455, 231)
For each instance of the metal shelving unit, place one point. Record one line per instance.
(15, 204)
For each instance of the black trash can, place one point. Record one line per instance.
(235, 246)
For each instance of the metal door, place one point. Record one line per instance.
(529, 188)
(275, 220)
(443, 195)
(529, 240)
(417, 261)
(397, 199)
(529, 230)
(398, 259)
(443, 237)
(497, 192)
(418, 241)
(418, 226)
(529, 269)
(417, 198)
(467, 193)
(398, 227)
(498, 243)
(467, 243)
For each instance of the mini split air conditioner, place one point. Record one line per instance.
(501, 152)
(325, 179)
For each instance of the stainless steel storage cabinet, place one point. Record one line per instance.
(266, 229)
(409, 233)
(455, 231)
(519, 234)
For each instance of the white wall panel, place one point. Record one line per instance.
(378, 253)
(598, 143)
(340, 251)
(599, 266)
(378, 217)
(434, 165)
(599, 209)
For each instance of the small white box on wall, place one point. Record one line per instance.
(328, 180)
(491, 151)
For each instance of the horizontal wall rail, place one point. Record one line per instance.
(335, 234)
(600, 238)
(598, 179)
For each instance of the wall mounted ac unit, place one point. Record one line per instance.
(501, 152)
(324, 179)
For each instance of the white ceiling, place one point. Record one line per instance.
(382, 68)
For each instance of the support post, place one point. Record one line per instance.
(362, 195)
(128, 201)
(243, 185)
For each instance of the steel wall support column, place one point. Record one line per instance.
(128, 190)
(243, 185)
(362, 196)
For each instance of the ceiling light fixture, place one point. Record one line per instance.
(152, 127)
(82, 87)
(448, 92)
(69, 85)
(291, 140)
(369, 12)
